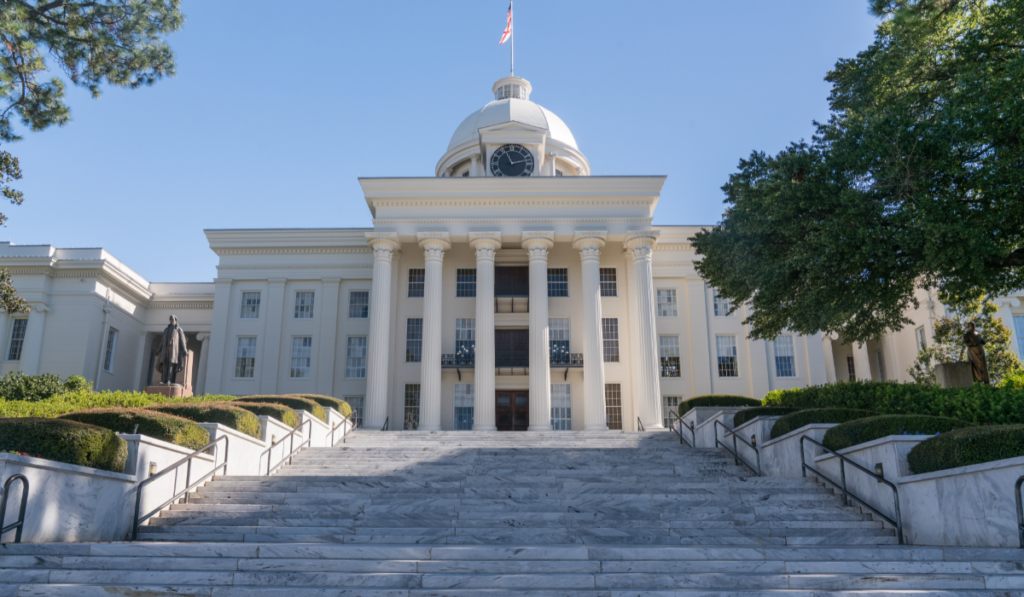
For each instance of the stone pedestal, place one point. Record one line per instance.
(183, 378)
(171, 390)
(954, 375)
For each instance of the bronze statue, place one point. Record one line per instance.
(171, 351)
(976, 354)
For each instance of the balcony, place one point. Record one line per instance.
(458, 361)
(567, 360)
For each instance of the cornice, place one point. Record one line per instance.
(208, 305)
(393, 221)
(367, 265)
(674, 247)
(295, 251)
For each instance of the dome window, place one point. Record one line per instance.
(511, 91)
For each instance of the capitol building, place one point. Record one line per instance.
(511, 290)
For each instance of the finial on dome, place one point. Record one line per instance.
(512, 88)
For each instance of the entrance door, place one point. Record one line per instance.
(512, 410)
(511, 348)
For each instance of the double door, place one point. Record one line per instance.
(512, 410)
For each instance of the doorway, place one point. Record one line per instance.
(512, 410)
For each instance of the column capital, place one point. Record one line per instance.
(589, 242)
(202, 336)
(383, 244)
(331, 280)
(38, 307)
(485, 243)
(538, 243)
(641, 243)
(434, 244)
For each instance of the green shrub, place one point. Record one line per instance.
(978, 405)
(716, 400)
(155, 424)
(796, 420)
(18, 386)
(760, 411)
(325, 401)
(278, 411)
(864, 430)
(965, 447)
(215, 412)
(60, 404)
(292, 402)
(70, 442)
(1013, 381)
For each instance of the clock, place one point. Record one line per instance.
(512, 160)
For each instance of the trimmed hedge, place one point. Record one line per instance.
(864, 430)
(716, 400)
(31, 388)
(979, 405)
(70, 442)
(85, 399)
(760, 411)
(965, 447)
(794, 421)
(215, 412)
(159, 425)
(278, 411)
(325, 401)
(291, 402)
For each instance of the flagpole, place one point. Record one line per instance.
(512, 35)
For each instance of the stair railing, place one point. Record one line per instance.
(189, 485)
(385, 427)
(1020, 511)
(847, 496)
(20, 523)
(682, 425)
(734, 451)
(344, 431)
(292, 450)
(640, 425)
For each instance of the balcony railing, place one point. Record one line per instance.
(458, 361)
(567, 360)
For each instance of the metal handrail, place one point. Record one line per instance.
(1020, 511)
(804, 467)
(189, 486)
(344, 430)
(672, 426)
(640, 425)
(735, 451)
(291, 446)
(385, 427)
(20, 524)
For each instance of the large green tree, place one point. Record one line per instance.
(916, 179)
(116, 42)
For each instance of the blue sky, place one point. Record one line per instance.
(277, 109)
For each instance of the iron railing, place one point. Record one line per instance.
(20, 523)
(385, 426)
(682, 425)
(566, 359)
(735, 451)
(344, 430)
(1020, 511)
(453, 361)
(189, 485)
(291, 446)
(847, 496)
(639, 425)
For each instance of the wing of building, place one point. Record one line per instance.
(512, 290)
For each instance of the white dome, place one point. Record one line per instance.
(512, 109)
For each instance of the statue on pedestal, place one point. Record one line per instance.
(171, 352)
(975, 353)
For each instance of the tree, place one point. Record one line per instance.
(948, 341)
(917, 179)
(92, 42)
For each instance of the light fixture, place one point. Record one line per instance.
(753, 440)
(152, 469)
(273, 440)
(879, 470)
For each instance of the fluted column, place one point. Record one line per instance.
(648, 402)
(589, 245)
(32, 348)
(538, 244)
(434, 245)
(862, 361)
(384, 244)
(485, 244)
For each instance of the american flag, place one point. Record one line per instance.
(508, 26)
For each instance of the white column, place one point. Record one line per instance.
(33, 347)
(648, 402)
(384, 244)
(485, 244)
(328, 304)
(199, 387)
(817, 365)
(862, 361)
(830, 358)
(589, 244)
(272, 343)
(434, 245)
(1006, 315)
(538, 244)
(700, 336)
(143, 351)
(219, 345)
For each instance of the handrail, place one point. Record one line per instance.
(344, 430)
(1020, 511)
(189, 486)
(20, 524)
(672, 426)
(639, 425)
(291, 446)
(735, 452)
(804, 467)
(385, 427)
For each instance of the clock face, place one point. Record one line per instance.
(512, 160)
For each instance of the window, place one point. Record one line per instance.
(412, 406)
(357, 403)
(561, 407)
(610, 334)
(465, 282)
(413, 339)
(250, 305)
(359, 304)
(303, 305)
(726, 346)
(922, 342)
(608, 281)
(667, 303)
(880, 360)
(558, 281)
(465, 338)
(1018, 324)
(613, 405)
(416, 277)
(668, 404)
(355, 358)
(245, 357)
(668, 350)
(722, 304)
(463, 406)
(108, 356)
(17, 339)
(302, 353)
(785, 357)
(851, 370)
(558, 340)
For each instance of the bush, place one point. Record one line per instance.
(85, 399)
(760, 411)
(978, 405)
(965, 447)
(1013, 381)
(70, 442)
(716, 400)
(215, 412)
(292, 402)
(864, 430)
(278, 411)
(325, 401)
(18, 386)
(794, 421)
(162, 426)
